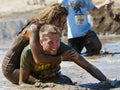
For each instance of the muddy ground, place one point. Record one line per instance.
(108, 64)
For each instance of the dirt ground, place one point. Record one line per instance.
(108, 64)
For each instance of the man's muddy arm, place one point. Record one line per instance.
(82, 62)
(94, 71)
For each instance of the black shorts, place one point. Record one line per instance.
(90, 41)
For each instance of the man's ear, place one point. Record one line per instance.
(41, 42)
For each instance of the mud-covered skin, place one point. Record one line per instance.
(11, 61)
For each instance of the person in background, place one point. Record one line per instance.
(47, 71)
(80, 32)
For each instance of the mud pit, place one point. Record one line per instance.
(108, 64)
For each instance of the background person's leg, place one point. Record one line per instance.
(92, 43)
(76, 43)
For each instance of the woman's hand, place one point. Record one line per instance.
(30, 30)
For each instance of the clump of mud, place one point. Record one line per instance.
(103, 24)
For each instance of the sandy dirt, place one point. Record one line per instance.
(108, 64)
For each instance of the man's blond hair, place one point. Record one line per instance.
(46, 29)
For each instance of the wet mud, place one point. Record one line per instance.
(108, 63)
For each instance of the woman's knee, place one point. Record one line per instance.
(12, 75)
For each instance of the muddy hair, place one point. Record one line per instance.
(51, 13)
(48, 15)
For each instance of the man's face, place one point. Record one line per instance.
(51, 44)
